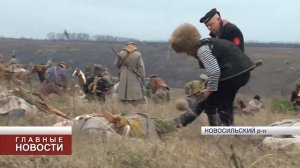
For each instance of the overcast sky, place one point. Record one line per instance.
(259, 20)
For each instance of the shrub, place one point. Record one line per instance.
(279, 105)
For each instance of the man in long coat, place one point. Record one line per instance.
(132, 73)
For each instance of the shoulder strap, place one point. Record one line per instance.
(206, 41)
(123, 61)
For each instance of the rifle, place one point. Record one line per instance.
(122, 60)
(115, 51)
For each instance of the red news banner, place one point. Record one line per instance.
(35, 140)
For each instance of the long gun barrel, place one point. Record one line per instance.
(115, 51)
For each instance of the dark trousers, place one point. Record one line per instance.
(220, 101)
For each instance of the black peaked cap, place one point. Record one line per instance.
(209, 15)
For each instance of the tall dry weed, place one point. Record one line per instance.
(186, 148)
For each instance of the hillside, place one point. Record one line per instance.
(277, 77)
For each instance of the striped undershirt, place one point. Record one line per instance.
(211, 67)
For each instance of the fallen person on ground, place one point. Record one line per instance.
(137, 125)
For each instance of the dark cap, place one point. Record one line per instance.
(256, 97)
(99, 69)
(99, 66)
(63, 65)
(152, 76)
(209, 15)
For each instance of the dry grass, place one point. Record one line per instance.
(183, 149)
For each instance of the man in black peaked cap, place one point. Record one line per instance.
(223, 29)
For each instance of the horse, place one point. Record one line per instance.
(18, 75)
(21, 76)
(81, 77)
(40, 69)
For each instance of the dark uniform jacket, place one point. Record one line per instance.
(230, 32)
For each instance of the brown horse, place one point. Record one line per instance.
(81, 77)
(40, 69)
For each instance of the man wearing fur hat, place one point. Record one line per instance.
(132, 73)
(228, 69)
(223, 29)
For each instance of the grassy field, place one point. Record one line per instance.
(185, 148)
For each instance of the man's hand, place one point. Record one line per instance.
(259, 63)
(206, 93)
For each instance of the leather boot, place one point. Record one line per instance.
(214, 119)
(185, 118)
(226, 118)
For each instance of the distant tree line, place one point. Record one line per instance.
(87, 37)
(109, 38)
(273, 44)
